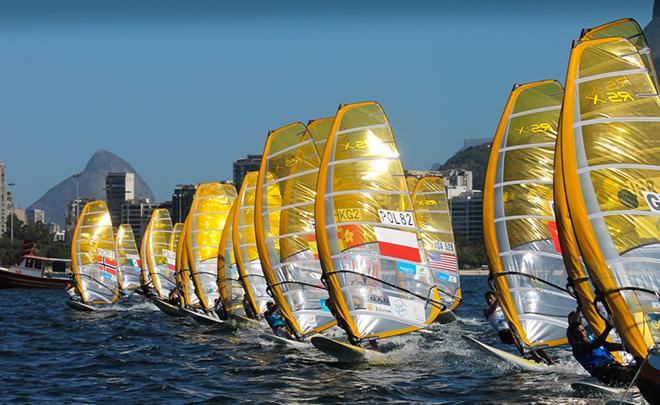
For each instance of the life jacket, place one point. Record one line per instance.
(275, 320)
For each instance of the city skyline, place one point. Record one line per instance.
(181, 94)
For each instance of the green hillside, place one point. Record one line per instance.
(474, 158)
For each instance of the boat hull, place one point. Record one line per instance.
(10, 279)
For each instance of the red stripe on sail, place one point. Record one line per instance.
(552, 227)
(399, 251)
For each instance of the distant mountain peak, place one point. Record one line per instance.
(90, 183)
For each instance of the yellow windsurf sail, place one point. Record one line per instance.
(284, 220)
(183, 279)
(176, 234)
(434, 222)
(610, 159)
(128, 259)
(229, 282)
(520, 231)
(160, 260)
(145, 277)
(245, 247)
(93, 255)
(366, 232)
(208, 215)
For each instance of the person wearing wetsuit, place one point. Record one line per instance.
(595, 357)
(275, 320)
(497, 320)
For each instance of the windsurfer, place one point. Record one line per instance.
(220, 308)
(594, 355)
(174, 297)
(248, 308)
(72, 292)
(275, 320)
(498, 321)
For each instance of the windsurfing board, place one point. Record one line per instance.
(205, 319)
(342, 351)
(79, 306)
(518, 361)
(168, 308)
(283, 341)
(590, 389)
(619, 402)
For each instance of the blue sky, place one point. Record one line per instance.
(182, 90)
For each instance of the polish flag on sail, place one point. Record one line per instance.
(399, 244)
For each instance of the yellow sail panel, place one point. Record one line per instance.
(366, 232)
(161, 260)
(184, 281)
(176, 234)
(128, 259)
(519, 224)
(434, 222)
(208, 215)
(629, 29)
(286, 191)
(245, 247)
(93, 255)
(145, 277)
(611, 169)
(229, 282)
(319, 130)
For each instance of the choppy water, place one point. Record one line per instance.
(135, 353)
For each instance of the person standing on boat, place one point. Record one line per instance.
(276, 321)
(497, 320)
(594, 354)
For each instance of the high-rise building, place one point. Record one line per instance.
(19, 213)
(137, 214)
(466, 216)
(119, 188)
(458, 181)
(242, 166)
(182, 199)
(36, 215)
(4, 211)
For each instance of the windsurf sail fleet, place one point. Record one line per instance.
(367, 237)
(207, 218)
(520, 233)
(434, 222)
(245, 249)
(128, 259)
(94, 262)
(610, 160)
(161, 261)
(284, 220)
(229, 281)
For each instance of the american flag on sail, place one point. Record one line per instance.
(108, 267)
(443, 262)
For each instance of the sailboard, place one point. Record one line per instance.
(523, 250)
(161, 261)
(588, 389)
(610, 160)
(93, 258)
(207, 218)
(128, 259)
(434, 221)
(284, 223)
(244, 243)
(512, 359)
(269, 336)
(367, 237)
(343, 351)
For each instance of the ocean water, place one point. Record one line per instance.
(133, 353)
